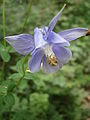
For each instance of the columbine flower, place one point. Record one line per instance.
(46, 46)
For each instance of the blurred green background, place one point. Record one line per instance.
(64, 95)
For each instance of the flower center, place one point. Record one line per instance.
(52, 60)
(51, 57)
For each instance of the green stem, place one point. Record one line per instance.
(23, 68)
(28, 12)
(3, 68)
(4, 33)
(25, 59)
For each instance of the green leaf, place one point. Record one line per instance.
(31, 76)
(10, 84)
(4, 54)
(9, 100)
(39, 102)
(19, 66)
(15, 76)
(3, 90)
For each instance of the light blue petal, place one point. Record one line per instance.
(63, 54)
(54, 38)
(22, 43)
(73, 34)
(55, 19)
(38, 38)
(35, 61)
(48, 68)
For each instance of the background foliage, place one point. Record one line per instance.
(61, 96)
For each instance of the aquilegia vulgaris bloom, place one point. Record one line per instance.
(46, 46)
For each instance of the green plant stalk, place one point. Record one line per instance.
(28, 12)
(4, 33)
(3, 68)
(25, 59)
(26, 55)
(24, 69)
